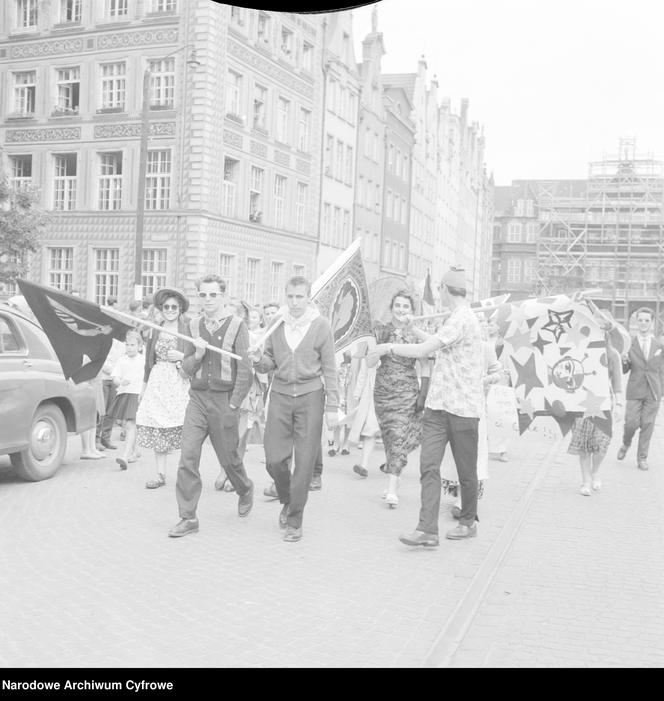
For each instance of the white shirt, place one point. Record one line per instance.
(131, 369)
(645, 345)
(295, 334)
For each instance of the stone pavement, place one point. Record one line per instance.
(90, 579)
(582, 583)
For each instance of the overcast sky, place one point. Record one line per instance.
(554, 83)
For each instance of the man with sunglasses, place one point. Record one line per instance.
(219, 384)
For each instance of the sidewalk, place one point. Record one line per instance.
(582, 583)
(90, 578)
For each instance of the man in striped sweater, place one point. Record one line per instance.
(300, 353)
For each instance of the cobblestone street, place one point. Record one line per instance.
(89, 577)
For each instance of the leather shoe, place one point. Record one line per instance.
(622, 452)
(108, 444)
(283, 516)
(292, 534)
(271, 491)
(642, 464)
(246, 501)
(316, 483)
(361, 471)
(99, 447)
(184, 527)
(461, 532)
(428, 540)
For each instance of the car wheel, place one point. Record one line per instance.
(48, 442)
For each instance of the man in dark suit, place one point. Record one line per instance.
(645, 364)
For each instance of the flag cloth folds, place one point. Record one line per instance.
(427, 292)
(342, 295)
(557, 358)
(79, 331)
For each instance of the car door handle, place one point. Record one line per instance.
(27, 363)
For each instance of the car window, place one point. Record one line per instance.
(8, 340)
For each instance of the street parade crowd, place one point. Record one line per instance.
(247, 375)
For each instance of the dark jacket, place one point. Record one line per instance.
(150, 353)
(646, 376)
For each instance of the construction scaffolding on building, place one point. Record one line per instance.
(608, 235)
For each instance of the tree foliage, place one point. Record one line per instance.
(22, 224)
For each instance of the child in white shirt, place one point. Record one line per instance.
(127, 375)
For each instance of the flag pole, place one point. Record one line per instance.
(144, 322)
(477, 310)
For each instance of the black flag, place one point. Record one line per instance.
(79, 331)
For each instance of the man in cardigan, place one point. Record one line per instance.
(219, 384)
(645, 364)
(300, 352)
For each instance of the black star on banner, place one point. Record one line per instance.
(540, 343)
(527, 374)
(557, 322)
(565, 421)
(532, 321)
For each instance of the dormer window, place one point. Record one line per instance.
(286, 42)
(263, 31)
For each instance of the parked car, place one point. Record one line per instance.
(38, 406)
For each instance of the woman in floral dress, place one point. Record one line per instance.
(166, 388)
(398, 397)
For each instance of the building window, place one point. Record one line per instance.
(227, 271)
(164, 5)
(342, 106)
(376, 206)
(64, 184)
(352, 107)
(398, 163)
(336, 227)
(532, 227)
(68, 89)
(162, 83)
(256, 194)
(106, 274)
(229, 186)
(389, 205)
(70, 10)
(113, 86)
(387, 253)
(299, 271)
(61, 268)
(529, 270)
(345, 232)
(233, 93)
(361, 189)
(348, 173)
(404, 212)
(397, 208)
(26, 13)
(260, 106)
(375, 249)
(25, 87)
(307, 56)
(402, 256)
(405, 168)
(158, 180)
(251, 281)
(263, 28)
(300, 207)
(345, 48)
(286, 42)
(367, 142)
(514, 270)
(276, 280)
(304, 129)
(339, 161)
(332, 95)
(367, 201)
(237, 16)
(283, 118)
(390, 158)
(514, 232)
(154, 269)
(21, 171)
(110, 180)
(329, 155)
(117, 8)
(279, 200)
(326, 233)
(376, 155)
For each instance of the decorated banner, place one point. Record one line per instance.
(556, 354)
(342, 295)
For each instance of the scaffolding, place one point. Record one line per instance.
(608, 235)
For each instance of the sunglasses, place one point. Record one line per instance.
(203, 295)
(168, 307)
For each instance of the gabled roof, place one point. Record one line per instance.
(405, 81)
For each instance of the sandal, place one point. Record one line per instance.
(155, 484)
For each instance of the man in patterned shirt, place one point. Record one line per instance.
(452, 410)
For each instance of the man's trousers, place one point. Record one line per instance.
(640, 414)
(208, 414)
(105, 423)
(441, 427)
(294, 428)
